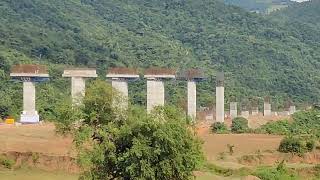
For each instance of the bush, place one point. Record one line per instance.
(291, 145)
(219, 128)
(278, 127)
(130, 144)
(310, 145)
(280, 172)
(7, 163)
(239, 125)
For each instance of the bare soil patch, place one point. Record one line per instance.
(34, 138)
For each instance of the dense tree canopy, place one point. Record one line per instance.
(260, 55)
(115, 144)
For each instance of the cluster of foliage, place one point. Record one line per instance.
(219, 128)
(280, 172)
(296, 145)
(115, 144)
(239, 125)
(6, 162)
(180, 34)
(303, 123)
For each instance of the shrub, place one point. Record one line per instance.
(278, 127)
(219, 128)
(239, 125)
(291, 145)
(6, 162)
(130, 144)
(310, 145)
(280, 172)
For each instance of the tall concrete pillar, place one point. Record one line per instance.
(192, 99)
(244, 109)
(29, 98)
(121, 85)
(245, 114)
(155, 93)
(266, 109)
(155, 86)
(29, 74)
(78, 84)
(220, 98)
(192, 76)
(233, 110)
(254, 111)
(119, 79)
(267, 106)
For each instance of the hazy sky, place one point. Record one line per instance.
(300, 0)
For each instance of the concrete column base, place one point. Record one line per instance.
(29, 117)
(245, 114)
(267, 109)
(233, 110)
(220, 104)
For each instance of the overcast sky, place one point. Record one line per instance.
(300, 0)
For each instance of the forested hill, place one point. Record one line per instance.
(304, 18)
(260, 57)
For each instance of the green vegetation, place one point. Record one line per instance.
(239, 125)
(6, 162)
(306, 123)
(116, 144)
(280, 172)
(219, 128)
(295, 145)
(260, 56)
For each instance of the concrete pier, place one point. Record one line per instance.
(254, 111)
(292, 109)
(192, 99)
(78, 83)
(233, 110)
(119, 80)
(220, 97)
(29, 74)
(267, 107)
(29, 98)
(155, 86)
(193, 76)
(245, 114)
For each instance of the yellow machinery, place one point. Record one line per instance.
(9, 121)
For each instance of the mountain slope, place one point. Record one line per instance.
(260, 57)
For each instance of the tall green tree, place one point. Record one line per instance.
(129, 144)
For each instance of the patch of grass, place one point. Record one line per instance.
(219, 128)
(6, 162)
(280, 172)
(218, 170)
(248, 158)
(222, 156)
(35, 157)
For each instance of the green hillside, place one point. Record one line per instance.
(260, 56)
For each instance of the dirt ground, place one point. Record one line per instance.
(215, 144)
(34, 138)
(43, 139)
(23, 141)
